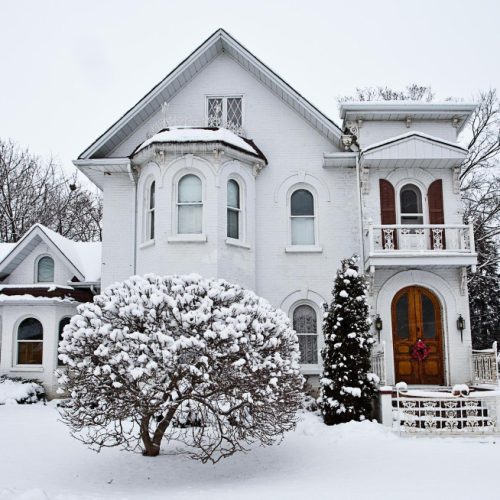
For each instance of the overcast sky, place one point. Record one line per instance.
(69, 69)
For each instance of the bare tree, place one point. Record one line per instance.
(412, 92)
(198, 361)
(33, 190)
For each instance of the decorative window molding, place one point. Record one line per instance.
(44, 269)
(29, 342)
(234, 210)
(306, 325)
(411, 205)
(225, 111)
(189, 205)
(303, 230)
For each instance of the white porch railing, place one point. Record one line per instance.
(433, 238)
(378, 362)
(447, 415)
(485, 366)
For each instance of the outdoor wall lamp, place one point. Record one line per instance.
(461, 326)
(378, 326)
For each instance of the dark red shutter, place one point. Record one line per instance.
(436, 209)
(388, 207)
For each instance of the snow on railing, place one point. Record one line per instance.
(420, 238)
(485, 366)
(470, 414)
(378, 362)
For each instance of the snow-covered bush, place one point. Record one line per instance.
(347, 386)
(200, 361)
(15, 390)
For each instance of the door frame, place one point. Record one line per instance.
(414, 293)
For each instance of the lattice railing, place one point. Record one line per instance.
(378, 362)
(485, 366)
(420, 238)
(449, 415)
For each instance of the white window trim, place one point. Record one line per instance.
(188, 237)
(37, 260)
(242, 226)
(147, 213)
(16, 366)
(224, 98)
(290, 247)
(311, 368)
(423, 194)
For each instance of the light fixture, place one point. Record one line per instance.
(461, 326)
(378, 326)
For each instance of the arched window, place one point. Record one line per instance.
(189, 205)
(62, 324)
(150, 212)
(233, 209)
(29, 342)
(45, 270)
(305, 324)
(410, 202)
(302, 217)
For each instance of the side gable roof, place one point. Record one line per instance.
(164, 91)
(84, 259)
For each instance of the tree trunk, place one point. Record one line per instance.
(152, 445)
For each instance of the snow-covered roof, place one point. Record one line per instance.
(83, 257)
(407, 135)
(220, 135)
(218, 43)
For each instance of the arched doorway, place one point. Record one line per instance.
(416, 315)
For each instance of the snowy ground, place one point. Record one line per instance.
(40, 461)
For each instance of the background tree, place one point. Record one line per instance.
(480, 190)
(347, 386)
(152, 354)
(33, 190)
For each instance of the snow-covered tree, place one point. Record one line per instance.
(194, 360)
(484, 292)
(347, 385)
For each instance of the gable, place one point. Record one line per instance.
(414, 149)
(219, 43)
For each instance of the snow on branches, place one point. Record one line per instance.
(200, 361)
(347, 386)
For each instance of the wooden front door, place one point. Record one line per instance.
(416, 315)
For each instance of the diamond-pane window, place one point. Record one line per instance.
(305, 325)
(225, 112)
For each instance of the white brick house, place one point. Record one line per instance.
(242, 178)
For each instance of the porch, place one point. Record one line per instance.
(423, 245)
(441, 410)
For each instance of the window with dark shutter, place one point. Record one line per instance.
(387, 208)
(436, 213)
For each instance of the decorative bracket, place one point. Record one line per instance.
(463, 280)
(365, 180)
(455, 122)
(408, 122)
(257, 168)
(456, 180)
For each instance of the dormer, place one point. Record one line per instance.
(374, 122)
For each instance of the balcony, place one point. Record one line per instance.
(444, 245)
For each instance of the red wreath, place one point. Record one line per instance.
(420, 351)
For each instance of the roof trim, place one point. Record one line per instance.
(36, 230)
(218, 39)
(409, 135)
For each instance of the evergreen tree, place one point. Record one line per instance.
(484, 293)
(347, 386)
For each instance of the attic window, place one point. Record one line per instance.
(45, 270)
(225, 112)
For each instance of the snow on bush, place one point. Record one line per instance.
(201, 361)
(347, 385)
(20, 391)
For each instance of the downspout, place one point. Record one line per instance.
(360, 212)
(132, 178)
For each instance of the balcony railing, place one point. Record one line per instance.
(378, 362)
(485, 366)
(435, 238)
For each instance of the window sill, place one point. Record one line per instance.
(27, 368)
(147, 244)
(237, 243)
(188, 238)
(303, 249)
(310, 369)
